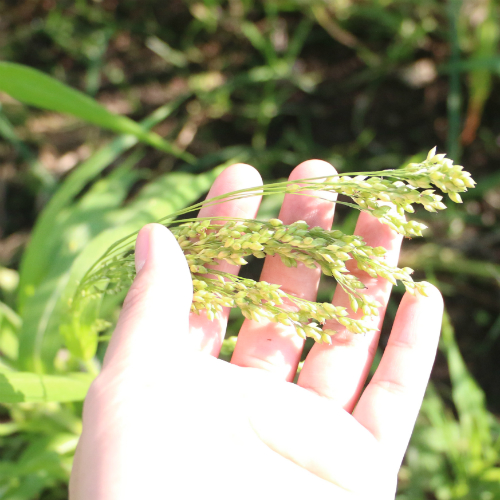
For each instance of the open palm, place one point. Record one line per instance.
(167, 419)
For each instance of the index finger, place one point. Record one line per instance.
(207, 335)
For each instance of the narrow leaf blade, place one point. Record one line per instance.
(33, 87)
(25, 387)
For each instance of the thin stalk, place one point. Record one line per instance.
(454, 100)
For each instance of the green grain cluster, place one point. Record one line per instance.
(387, 195)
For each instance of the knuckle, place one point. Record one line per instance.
(391, 386)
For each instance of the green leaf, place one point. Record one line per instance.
(80, 330)
(37, 257)
(72, 230)
(25, 387)
(10, 315)
(468, 397)
(86, 230)
(10, 324)
(41, 463)
(33, 87)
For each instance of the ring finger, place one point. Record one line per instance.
(338, 371)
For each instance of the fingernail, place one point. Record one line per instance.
(142, 245)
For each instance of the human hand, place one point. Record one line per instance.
(167, 419)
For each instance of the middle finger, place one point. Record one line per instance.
(272, 346)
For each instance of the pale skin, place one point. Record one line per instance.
(167, 419)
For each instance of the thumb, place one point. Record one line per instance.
(156, 310)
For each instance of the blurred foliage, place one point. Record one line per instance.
(364, 84)
(453, 456)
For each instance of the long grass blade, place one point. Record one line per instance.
(89, 229)
(37, 256)
(24, 387)
(32, 87)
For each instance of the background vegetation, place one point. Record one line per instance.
(364, 84)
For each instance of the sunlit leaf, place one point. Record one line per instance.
(18, 387)
(46, 234)
(33, 87)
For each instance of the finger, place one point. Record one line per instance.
(156, 310)
(207, 335)
(338, 371)
(390, 404)
(273, 346)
